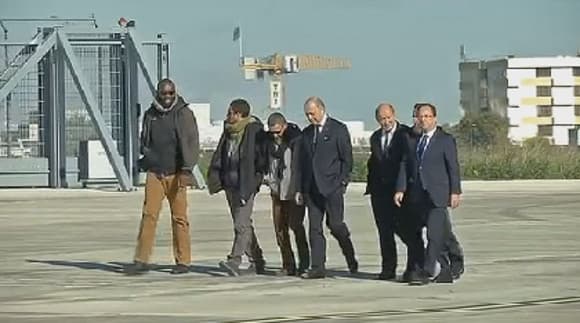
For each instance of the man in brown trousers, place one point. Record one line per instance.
(283, 177)
(170, 149)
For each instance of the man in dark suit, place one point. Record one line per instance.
(388, 146)
(452, 252)
(431, 182)
(326, 165)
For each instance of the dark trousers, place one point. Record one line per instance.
(406, 223)
(333, 206)
(287, 214)
(245, 240)
(453, 252)
(442, 244)
(384, 212)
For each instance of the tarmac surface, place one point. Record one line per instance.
(62, 253)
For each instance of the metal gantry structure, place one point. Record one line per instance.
(64, 87)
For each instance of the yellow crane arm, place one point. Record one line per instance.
(317, 62)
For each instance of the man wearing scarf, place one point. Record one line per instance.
(237, 167)
(170, 149)
(284, 180)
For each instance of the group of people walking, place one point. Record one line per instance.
(413, 177)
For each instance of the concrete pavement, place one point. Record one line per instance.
(61, 252)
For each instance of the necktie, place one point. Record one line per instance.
(316, 134)
(421, 147)
(386, 142)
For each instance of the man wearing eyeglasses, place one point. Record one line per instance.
(283, 178)
(170, 149)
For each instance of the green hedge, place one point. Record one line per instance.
(522, 163)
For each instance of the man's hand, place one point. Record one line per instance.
(398, 198)
(299, 199)
(455, 198)
(185, 179)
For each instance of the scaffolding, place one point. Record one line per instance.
(62, 88)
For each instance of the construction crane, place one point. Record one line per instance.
(277, 65)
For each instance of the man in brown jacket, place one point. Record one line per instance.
(170, 149)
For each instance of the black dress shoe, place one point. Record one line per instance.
(137, 268)
(180, 269)
(230, 267)
(314, 274)
(419, 278)
(387, 276)
(444, 276)
(353, 267)
(406, 276)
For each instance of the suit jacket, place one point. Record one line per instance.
(383, 168)
(328, 161)
(438, 171)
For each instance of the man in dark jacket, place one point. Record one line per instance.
(170, 149)
(431, 181)
(388, 148)
(283, 177)
(237, 167)
(326, 160)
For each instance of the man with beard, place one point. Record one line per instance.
(237, 167)
(170, 149)
(283, 150)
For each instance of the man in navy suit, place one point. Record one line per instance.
(326, 161)
(388, 147)
(431, 182)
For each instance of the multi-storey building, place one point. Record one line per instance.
(540, 96)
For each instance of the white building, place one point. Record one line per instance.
(358, 135)
(209, 133)
(540, 96)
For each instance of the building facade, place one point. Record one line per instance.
(540, 96)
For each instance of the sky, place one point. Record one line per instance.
(402, 51)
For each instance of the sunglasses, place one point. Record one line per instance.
(167, 93)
